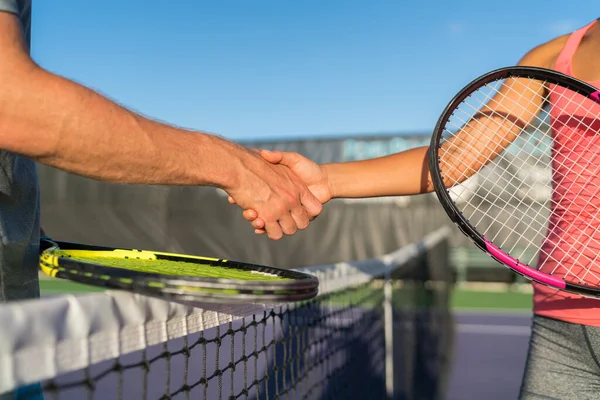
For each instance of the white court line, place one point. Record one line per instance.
(494, 329)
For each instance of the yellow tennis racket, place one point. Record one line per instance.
(175, 277)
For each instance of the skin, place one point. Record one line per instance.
(65, 125)
(382, 177)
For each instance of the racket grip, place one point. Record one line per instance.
(45, 243)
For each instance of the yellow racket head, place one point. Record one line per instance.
(174, 276)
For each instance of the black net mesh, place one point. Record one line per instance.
(313, 350)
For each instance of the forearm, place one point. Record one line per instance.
(405, 173)
(65, 125)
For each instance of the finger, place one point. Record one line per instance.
(273, 156)
(230, 200)
(300, 217)
(273, 230)
(259, 231)
(258, 223)
(249, 215)
(311, 204)
(287, 224)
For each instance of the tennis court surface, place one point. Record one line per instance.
(490, 352)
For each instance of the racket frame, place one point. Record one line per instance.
(455, 215)
(184, 289)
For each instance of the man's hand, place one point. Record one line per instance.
(309, 172)
(274, 192)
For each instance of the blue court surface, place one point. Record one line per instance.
(489, 355)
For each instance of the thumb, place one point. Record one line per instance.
(274, 157)
(287, 158)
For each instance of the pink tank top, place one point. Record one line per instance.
(576, 150)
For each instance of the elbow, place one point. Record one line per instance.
(21, 94)
(23, 127)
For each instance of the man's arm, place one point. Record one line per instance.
(65, 125)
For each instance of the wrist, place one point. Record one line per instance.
(330, 179)
(228, 158)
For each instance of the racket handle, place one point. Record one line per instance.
(45, 243)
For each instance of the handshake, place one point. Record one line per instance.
(280, 192)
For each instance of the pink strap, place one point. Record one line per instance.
(564, 61)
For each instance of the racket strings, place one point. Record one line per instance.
(579, 243)
(586, 185)
(182, 267)
(510, 189)
(462, 122)
(589, 222)
(506, 181)
(524, 195)
(583, 193)
(528, 191)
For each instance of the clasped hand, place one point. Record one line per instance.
(290, 205)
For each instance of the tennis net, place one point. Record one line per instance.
(116, 345)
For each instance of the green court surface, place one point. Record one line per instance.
(466, 299)
(50, 286)
(462, 298)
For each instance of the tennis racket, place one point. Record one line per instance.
(175, 277)
(515, 162)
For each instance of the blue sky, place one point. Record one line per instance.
(289, 69)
